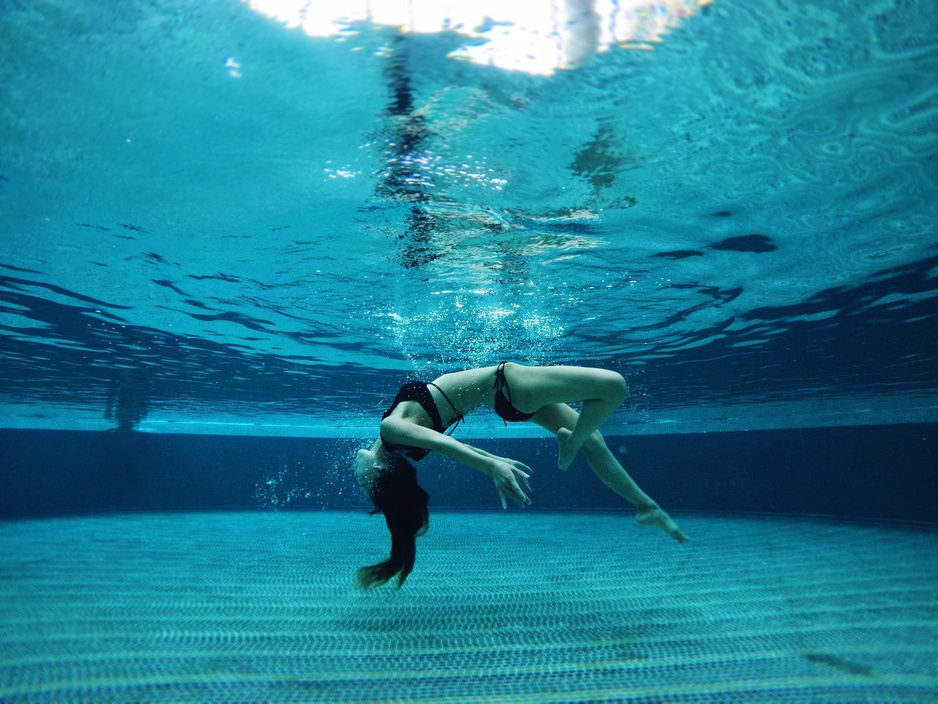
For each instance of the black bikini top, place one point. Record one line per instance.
(419, 391)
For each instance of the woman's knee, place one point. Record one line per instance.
(617, 390)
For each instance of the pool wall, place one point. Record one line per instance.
(864, 473)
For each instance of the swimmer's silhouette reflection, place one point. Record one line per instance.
(128, 398)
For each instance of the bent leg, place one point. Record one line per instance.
(601, 391)
(559, 417)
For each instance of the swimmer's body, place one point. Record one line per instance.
(415, 425)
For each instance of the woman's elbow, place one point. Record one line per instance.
(390, 430)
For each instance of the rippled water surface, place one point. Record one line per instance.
(217, 213)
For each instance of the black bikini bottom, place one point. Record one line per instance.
(503, 407)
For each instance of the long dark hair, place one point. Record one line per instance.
(396, 494)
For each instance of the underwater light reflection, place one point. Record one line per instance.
(511, 34)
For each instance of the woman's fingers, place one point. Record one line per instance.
(512, 489)
(520, 496)
(513, 484)
(522, 478)
(523, 467)
(524, 482)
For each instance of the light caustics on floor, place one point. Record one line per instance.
(507, 607)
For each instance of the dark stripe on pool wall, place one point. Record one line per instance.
(863, 473)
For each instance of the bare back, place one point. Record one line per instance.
(468, 390)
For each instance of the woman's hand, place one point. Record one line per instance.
(511, 480)
(510, 476)
(519, 466)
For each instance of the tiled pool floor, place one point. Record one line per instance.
(502, 607)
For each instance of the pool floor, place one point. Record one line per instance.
(502, 607)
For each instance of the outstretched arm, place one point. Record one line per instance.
(515, 463)
(510, 477)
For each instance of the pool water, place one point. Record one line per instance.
(523, 607)
(736, 210)
(230, 230)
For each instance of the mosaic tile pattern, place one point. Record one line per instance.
(502, 607)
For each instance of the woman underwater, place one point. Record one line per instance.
(414, 426)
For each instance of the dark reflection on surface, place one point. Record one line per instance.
(433, 225)
(602, 160)
(880, 336)
(759, 244)
(403, 181)
(128, 398)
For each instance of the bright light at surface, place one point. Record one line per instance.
(519, 35)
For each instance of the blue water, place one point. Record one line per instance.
(232, 236)
(743, 216)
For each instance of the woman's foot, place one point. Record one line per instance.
(655, 517)
(568, 452)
